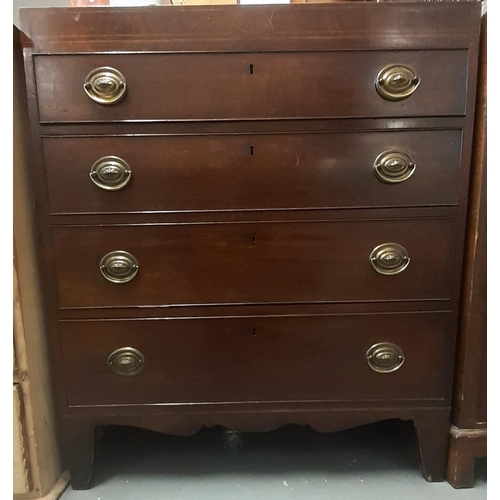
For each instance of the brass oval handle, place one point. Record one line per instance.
(126, 361)
(397, 82)
(110, 173)
(389, 259)
(393, 167)
(385, 357)
(105, 85)
(119, 266)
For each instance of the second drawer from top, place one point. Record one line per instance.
(260, 171)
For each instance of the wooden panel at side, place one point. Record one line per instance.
(31, 350)
(470, 383)
(21, 467)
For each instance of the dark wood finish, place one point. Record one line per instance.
(254, 172)
(472, 333)
(465, 446)
(246, 216)
(248, 418)
(343, 26)
(310, 243)
(254, 263)
(250, 310)
(79, 437)
(221, 86)
(468, 433)
(258, 359)
(254, 127)
(433, 446)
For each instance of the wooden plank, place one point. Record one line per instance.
(470, 377)
(29, 334)
(22, 483)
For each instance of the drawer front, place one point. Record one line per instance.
(253, 171)
(255, 359)
(252, 263)
(250, 86)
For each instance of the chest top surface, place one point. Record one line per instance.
(236, 28)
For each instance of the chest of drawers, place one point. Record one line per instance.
(252, 216)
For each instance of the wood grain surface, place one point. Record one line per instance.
(304, 358)
(251, 86)
(254, 263)
(253, 208)
(258, 171)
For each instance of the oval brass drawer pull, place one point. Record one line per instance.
(393, 167)
(397, 82)
(110, 173)
(119, 266)
(389, 259)
(385, 357)
(105, 85)
(126, 361)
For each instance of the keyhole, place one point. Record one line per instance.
(250, 67)
(254, 238)
(251, 150)
(254, 332)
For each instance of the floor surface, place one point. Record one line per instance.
(378, 461)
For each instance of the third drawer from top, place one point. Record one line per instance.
(273, 262)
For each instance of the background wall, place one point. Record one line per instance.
(37, 3)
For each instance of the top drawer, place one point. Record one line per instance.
(253, 86)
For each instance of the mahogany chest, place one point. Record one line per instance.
(252, 216)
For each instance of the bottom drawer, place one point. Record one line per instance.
(306, 358)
